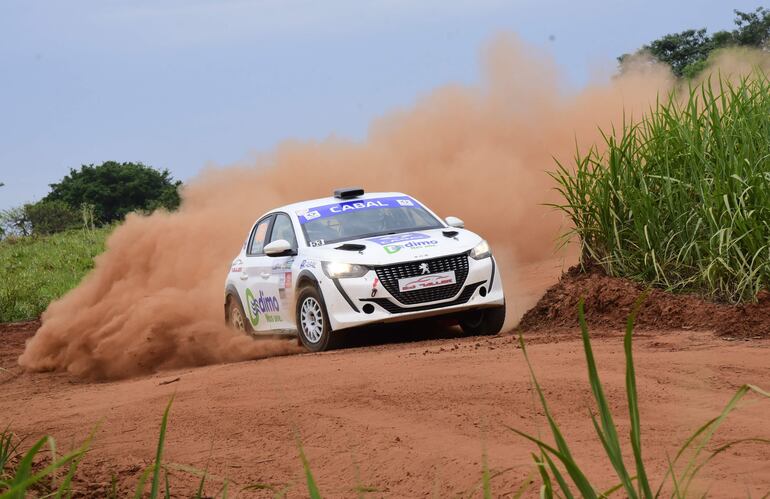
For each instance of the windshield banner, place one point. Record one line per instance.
(331, 210)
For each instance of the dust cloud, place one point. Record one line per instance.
(155, 299)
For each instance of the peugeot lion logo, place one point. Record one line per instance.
(424, 268)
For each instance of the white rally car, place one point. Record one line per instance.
(316, 267)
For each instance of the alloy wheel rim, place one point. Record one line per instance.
(236, 318)
(312, 320)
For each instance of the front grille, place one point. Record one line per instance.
(394, 308)
(390, 274)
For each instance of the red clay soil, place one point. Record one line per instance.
(408, 419)
(412, 418)
(13, 335)
(609, 300)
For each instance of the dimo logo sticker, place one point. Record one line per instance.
(253, 315)
(395, 248)
(268, 306)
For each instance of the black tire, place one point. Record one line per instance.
(236, 316)
(483, 322)
(313, 326)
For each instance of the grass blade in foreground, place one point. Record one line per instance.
(546, 490)
(705, 433)
(605, 432)
(23, 478)
(633, 401)
(563, 453)
(485, 478)
(312, 488)
(159, 454)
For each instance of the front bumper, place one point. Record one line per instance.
(349, 300)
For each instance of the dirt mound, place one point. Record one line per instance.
(609, 300)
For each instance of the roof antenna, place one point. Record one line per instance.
(348, 192)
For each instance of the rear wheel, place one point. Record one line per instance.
(486, 321)
(313, 326)
(236, 317)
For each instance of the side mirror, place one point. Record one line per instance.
(280, 247)
(454, 222)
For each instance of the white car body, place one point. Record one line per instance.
(410, 274)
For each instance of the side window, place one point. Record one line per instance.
(283, 229)
(258, 237)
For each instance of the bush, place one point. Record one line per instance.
(681, 198)
(48, 217)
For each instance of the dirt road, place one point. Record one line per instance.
(410, 420)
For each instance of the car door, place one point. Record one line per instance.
(260, 299)
(281, 277)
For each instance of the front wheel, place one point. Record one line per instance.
(313, 326)
(236, 318)
(487, 321)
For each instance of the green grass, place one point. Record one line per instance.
(680, 198)
(560, 474)
(34, 271)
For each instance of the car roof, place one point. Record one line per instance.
(304, 205)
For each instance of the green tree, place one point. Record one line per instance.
(48, 217)
(687, 52)
(753, 27)
(116, 189)
(679, 50)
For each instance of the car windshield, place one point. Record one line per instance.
(358, 219)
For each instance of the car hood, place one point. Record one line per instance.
(401, 247)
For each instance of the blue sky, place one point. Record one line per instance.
(182, 84)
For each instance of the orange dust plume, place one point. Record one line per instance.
(155, 299)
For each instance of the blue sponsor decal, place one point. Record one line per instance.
(331, 210)
(307, 264)
(397, 238)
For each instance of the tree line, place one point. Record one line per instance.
(688, 52)
(94, 195)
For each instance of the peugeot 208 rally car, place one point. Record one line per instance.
(317, 267)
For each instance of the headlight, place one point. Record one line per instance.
(337, 270)
(481, 251)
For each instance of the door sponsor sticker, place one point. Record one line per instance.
(268, 307)
(426, 281)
